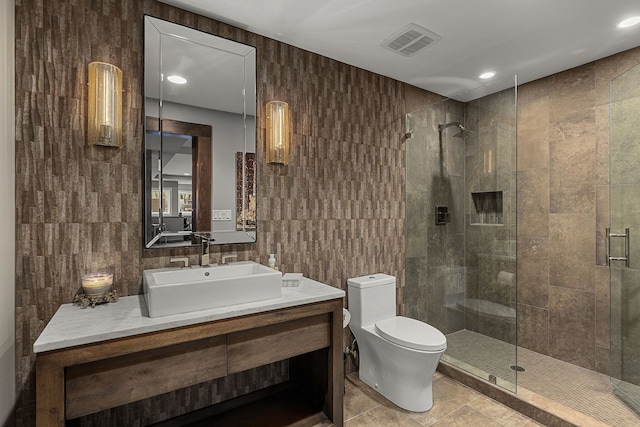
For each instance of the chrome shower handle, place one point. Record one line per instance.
(624, 258)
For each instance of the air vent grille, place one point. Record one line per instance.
(409, 40)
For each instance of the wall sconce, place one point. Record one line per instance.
(278, 132)
(105, 105)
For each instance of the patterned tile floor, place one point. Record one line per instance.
(454, 405)
(561, 386)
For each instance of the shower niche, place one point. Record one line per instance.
(487, 208)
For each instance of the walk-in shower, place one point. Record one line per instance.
(465, 241)
(460, 273)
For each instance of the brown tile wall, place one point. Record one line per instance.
(563, 209)
(335, 212)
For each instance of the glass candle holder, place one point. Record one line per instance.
(96, 284)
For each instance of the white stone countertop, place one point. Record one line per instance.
(73, 325)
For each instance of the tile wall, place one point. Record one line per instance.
(335, 212)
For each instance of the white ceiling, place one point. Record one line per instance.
(530, 38)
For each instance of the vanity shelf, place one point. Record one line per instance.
(76, 378)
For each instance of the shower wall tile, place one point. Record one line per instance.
(533, 328)
(571, 251)
(624, 148)
(571, 174)
(572, 103)
(603, 220)
(533, 272)
(336, 211)
(417, 304)
(416, 229)
(533, 134)
(602, 145)
(629, 327)
(533, 202)
(603, 360)
(436, 297)
(533, 224)
(611, 67)
(530, 92)
(603, 302)
(533, 193)
(571, 326)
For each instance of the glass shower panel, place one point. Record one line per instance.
(624, 234)
(461, 230)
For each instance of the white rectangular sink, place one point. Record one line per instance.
(172, 291)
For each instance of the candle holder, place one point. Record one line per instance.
(96, 289)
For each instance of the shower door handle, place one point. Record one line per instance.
(625, 236)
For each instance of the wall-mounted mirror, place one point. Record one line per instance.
(200, 137)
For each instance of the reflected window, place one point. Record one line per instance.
(155, 202)
(185, 207)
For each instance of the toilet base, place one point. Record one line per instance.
(402, 375)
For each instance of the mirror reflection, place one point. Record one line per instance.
(199, 137)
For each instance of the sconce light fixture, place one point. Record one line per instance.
(105, 105)
(278, 132)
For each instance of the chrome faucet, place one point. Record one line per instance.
(185, 260)
(226, 257)
(204, 255)
(206, 238)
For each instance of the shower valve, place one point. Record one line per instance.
(442, 215)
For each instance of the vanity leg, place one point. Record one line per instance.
(49, 392)
(336, 367)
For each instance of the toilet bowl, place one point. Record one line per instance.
(398, 355)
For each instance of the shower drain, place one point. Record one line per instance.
(517, 368)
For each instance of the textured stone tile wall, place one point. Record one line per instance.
(335, 212)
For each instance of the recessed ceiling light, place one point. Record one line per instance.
(177, 80)
(487, 75)
(186, 174)
(629, 22)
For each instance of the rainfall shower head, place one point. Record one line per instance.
(463, 131)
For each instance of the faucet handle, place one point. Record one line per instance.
(185, 260)
(226, 257)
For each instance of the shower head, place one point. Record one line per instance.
(463, 131)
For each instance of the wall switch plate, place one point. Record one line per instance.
(221, 215)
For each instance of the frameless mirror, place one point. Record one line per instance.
(200, 138)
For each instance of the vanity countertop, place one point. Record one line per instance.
(71, 325)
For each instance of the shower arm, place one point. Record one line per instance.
(443, 127)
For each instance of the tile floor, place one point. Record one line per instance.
(558, 387)
(454, 405)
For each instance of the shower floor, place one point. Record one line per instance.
(571, 386)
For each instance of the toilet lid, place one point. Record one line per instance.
(411, 333)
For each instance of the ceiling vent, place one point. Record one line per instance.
(410, 40)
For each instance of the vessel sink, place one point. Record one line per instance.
(172, 290)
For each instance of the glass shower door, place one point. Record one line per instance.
(623, 236)
(460, 272)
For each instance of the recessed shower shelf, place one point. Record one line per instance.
(487, 208)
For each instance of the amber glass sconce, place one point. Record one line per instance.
(278, 132)
(105, 105)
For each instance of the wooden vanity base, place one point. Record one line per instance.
(82, 380)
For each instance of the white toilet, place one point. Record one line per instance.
(398, 355)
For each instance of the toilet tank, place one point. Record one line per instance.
(371, 298)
